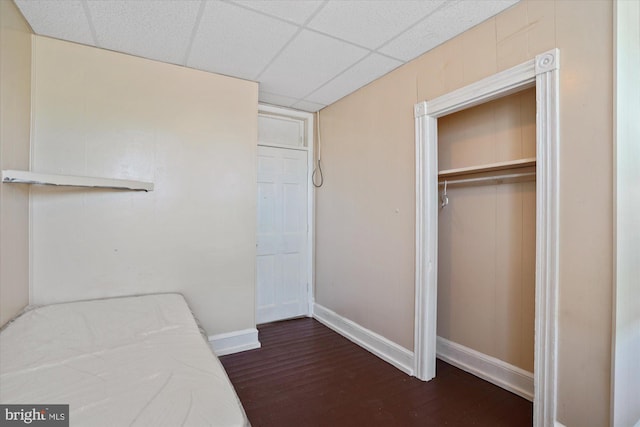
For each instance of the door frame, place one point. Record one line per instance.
(543, 73)
(625, 373)
(308, 119)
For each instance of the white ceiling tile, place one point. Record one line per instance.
(296, 11)
(369, 69)
(310, 107)
(158, 30)
(62, 20)
(272, 98)
(449, 21)
(237, 42)
(305, 68)
(309, 61)
(370, 23)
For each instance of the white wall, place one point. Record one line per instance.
(193, 134)
(626, 328)
(15, 106)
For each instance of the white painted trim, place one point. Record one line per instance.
(494, 370)
(32, 138)
(426, 298)
(543, 72)
(385, 349)
(234, 342)
(308, 118)
(547, 239)
(28, 177)
(625, 343)
(286, 147)
(491, 167)
(559, 424)
(284, 112)
(496, 86)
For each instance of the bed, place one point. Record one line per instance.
(121, 361)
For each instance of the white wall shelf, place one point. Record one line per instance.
(492, 167)
(27, 177)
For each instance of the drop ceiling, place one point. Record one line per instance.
(305, 54)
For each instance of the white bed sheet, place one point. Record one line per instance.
(117, 362)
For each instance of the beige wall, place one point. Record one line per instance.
(15, 106)
(193, 134)
(586, 217)
(365, 210)
(365, 250)
(487, 233)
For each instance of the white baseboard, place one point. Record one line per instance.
(234, 342)
(385, 349)
(559, 424)
(495, 371)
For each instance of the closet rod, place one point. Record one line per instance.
(487, 178)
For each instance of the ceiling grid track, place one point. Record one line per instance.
(194, 32)
(302, 27)
(92, 28)
(303, 54)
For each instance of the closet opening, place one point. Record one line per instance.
(487, 241)
(492, 232)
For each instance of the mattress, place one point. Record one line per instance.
(123, 361)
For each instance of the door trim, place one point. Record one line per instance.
(308, 118)
(625, 371)
(543, 73)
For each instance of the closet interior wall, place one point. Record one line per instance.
(487, 233)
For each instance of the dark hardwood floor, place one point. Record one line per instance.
(307, 375)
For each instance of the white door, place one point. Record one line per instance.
(282, 234)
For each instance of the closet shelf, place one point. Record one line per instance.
(512, 164)
(27, 177)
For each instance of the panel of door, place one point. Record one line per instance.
(282, 234)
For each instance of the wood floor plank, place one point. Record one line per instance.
(307, 375)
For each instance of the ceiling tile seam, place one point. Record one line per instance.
(296, 99)
(294, 106)
(386, 55)
(410, 27)
(194, 32)
(282, 49)
(331, 36)
(278, 53)
(375, 50)
(87, 13)
(260, 12)
(370, 50)
(336, 76)
(304, 26)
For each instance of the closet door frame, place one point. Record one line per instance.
(543, 73)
